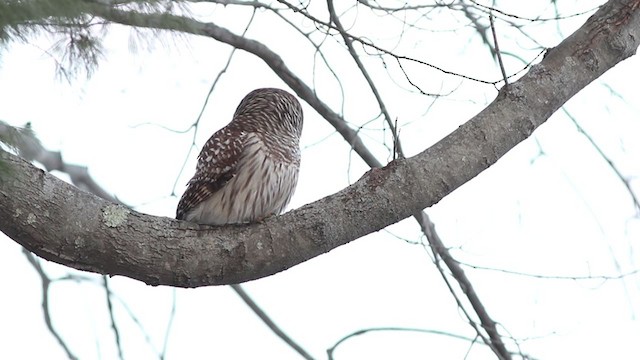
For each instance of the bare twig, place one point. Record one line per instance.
(137, 322)
(480, 29)
(368, 44)
(497, 47)
(603, 278)
(116, 332)
(331, 350)
(614, 168)
(263, 316)
(172, 315)
(46, 282)
(490, 9)
(335, 19)
(436, 245)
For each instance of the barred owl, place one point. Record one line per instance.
(247, 170)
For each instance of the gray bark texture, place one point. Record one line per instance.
(66, 225)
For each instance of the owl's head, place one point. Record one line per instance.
(270, 110)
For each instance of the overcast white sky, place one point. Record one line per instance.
(552, 206)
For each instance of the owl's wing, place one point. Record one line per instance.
(217, 164)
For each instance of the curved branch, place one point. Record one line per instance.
(360, 332)
(271, 59)
(63, 224)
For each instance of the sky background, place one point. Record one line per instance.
(551, 207)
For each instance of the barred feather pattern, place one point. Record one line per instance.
(248, 170)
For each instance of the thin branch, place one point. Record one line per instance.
(614, 168)
(332, 349)
(368, 44)
(114, 327)
(172, 315)
(488, 324)
(267, 320)
(137, 322)
(441, 252)
(354, 55)
(46, 282)
(405, 7)
(498, 54)
(603, 278)
(490, 9)
(480, 29)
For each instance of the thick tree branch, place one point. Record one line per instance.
(29, 147)
(68, 226)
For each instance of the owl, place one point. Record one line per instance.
(248, 170)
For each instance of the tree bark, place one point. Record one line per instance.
(69, 226)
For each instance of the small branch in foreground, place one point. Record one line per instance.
(498, 54)
(331, 350)
(172, 316)
(265, 318)
(46, 282)
(488, 324)
(614, 168)
(114, 327)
